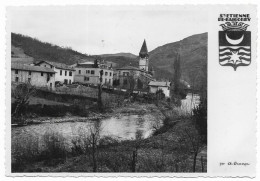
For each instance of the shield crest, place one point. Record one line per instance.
(234, 46)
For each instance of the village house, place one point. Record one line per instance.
(64, 73)
(155, 86)
(137, 78)
(89, 73)
(35, 75)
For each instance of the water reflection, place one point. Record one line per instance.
(125, 127)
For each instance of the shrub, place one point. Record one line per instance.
(53, 146)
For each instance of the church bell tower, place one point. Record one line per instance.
(143, 55)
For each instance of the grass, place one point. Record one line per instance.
(167, 150)
(163, 152)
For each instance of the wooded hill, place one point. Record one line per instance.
(193, 53)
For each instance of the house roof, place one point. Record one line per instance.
(85, 66)
(160, 84)
(32, 68)
(57, 65)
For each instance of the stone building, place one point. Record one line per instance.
(136, 78)
(64, 73)
(35, 75)
(89, 73)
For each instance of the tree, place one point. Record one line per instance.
(100, 105)
(131, 81)
(177, 75)
(139, 84)
(192, 143)
(176, 96)
(21, 93)
(93, 140)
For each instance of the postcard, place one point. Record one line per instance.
(131, 90)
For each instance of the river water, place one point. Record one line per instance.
(124, 127)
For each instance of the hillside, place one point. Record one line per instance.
(127, 55)
(39, 50)
(193, 51)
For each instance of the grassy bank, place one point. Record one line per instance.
(169, 149)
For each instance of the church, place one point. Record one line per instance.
(135, 78)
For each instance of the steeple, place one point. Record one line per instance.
(143, 52)
(143, 55)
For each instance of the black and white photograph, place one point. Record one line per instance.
(108, 89)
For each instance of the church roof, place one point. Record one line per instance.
(128, 67)
(143, 50)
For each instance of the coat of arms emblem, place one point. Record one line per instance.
(234, 45)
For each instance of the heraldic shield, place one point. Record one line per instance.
(234, 45)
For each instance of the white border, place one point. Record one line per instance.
(103, 2)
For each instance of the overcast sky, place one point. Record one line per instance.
(108, 29)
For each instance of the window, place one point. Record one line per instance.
(110, 73)
(70, 73)
(50, 74)
(92, 71)
(69, 81)
(65, 73)
(86, 71)
(86, 78)
(105, 81)
(51, 66)
(79, 71)
(105, 73)
(65, 81)
(109, 81)
(44, 65)
(60, 72)
(41, 73)
(125, 73)
(125, 81)
(16, 71)
(16, 79)
(30, 73)
(29, 80)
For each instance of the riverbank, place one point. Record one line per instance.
(169, 150)
(165, 152)
(117, 112)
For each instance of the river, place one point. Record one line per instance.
(124, 128)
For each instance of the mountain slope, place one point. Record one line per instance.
(46, 51)
(122, 54)
(193, 53)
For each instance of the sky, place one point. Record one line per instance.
(108, 29)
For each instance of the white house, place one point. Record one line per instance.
(154, 86)
(64, 73)
(35, 75)
(90, 73)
